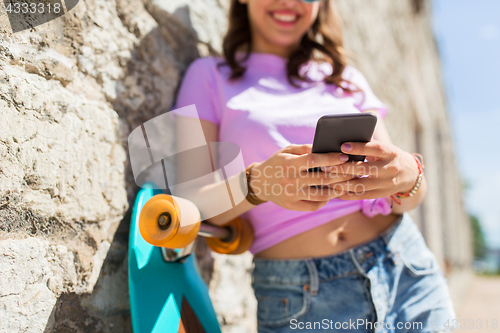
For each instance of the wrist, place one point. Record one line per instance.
(412, 180)
(255, 194)
(258, 183)
(419, 160)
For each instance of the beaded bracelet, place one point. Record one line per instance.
(420, 163)
(251, 197)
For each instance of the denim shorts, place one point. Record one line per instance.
(390, 284)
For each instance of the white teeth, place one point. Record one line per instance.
(285, 17)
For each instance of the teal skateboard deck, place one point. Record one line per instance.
(166, 297)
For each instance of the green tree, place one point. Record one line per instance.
(478, 237)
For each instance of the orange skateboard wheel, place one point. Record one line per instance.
(239, 241)
(167, 221)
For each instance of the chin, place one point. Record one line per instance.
(285, 42)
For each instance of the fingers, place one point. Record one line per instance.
(349, 190)
(362, 185)
(298, 149)
(375, 194)
(295, 188)
(378, 168)
(372, 158)
(373, 148)
(322, 178)
(307, 161)
(360, 188)
(319, 193)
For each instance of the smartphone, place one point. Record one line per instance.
(333, 130)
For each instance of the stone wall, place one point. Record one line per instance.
(70, 92)
(72, 89)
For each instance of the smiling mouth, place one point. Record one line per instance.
(284, 18)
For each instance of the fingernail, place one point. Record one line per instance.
(346, 147)
(343, 158)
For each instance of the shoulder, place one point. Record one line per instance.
(205, 62)
(354, 76)
(351, 73)
(205, 65)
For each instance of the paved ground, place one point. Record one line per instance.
(480, 311)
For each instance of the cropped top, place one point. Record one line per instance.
(262, 113)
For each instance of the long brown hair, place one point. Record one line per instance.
(324, 37)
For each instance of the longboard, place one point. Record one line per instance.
(166, 297)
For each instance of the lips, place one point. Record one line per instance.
(286, 18)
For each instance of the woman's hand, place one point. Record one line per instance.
(285, 180)
(388, 170)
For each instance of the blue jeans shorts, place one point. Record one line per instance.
(390, 284)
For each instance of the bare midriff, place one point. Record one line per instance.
(332, 237)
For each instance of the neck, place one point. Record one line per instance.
(260, 45)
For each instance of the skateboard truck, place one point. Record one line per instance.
(177, 255)
(160, 225)
(209, 230)
(206, 230)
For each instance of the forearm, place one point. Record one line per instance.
(221, 219)
(215, 201)
(411, 202)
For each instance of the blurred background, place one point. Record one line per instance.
(468, 38)
(72, 89)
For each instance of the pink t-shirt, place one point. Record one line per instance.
(262, 113)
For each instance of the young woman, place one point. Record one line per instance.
(324, 258)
